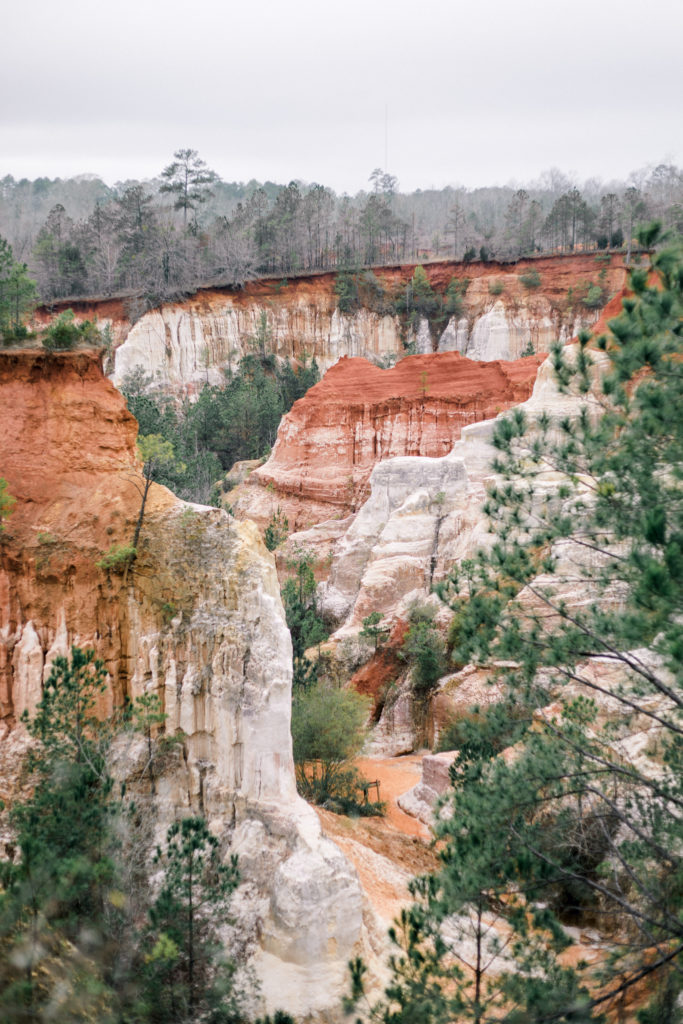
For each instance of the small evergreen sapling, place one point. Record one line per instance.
(185, 978)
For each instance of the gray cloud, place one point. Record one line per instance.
(477, 92)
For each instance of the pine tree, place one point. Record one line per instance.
(55, 902)
(17, 294)
(189, 180)
(583, 820)
(185, 978)
(306, 628)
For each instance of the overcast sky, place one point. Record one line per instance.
(478, 92)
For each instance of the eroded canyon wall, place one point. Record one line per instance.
(197, 620)
(424, 515)
(183, 344)
(359, 415)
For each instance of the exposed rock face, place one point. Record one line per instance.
(420, 801)
(360, 415)
(184, 344)
(424, 515)
(199, 621)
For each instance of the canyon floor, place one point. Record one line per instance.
(385, 851)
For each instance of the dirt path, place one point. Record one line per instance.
(386, 852)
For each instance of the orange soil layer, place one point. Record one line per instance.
(447, 376)
(67, 451)
(558, 273)
(359, 414)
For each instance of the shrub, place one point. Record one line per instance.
(117, 558)
(346, 799)
(64, 333)
(485, 732)
(455, 294)
(346, 290)
(372, 630)
(424, 649)
(16, 334)
(594, 297)
(328, 730)
(305, 626)
(421, 297)
(496, 287)
(277, 529)
(530, 279)
(6, 502)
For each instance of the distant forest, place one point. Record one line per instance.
(161, 239)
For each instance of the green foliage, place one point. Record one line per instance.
(594, 297)
(64, 877)
(184, 979)
(423, 298)
(261, 343)
(425, 650)
(362, 289)
(189, 180)
(64, 333)
(486, 732)
(155, 452)
(455, 295)
(582, 823)
(124, 238)
(328, 731)
(346, 290)
(420, 300)
(157, 456)
(6, 503)
(356, 290)
(372, 630)
(496, 287)
(305, 626)
(79, 940)
(65, 722)
(17, 295)
(117, 558)
(664, 1006)
(530, 279)
(226, 424)
(276, 531)
(146, 716)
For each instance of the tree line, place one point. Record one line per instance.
(161, 239)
